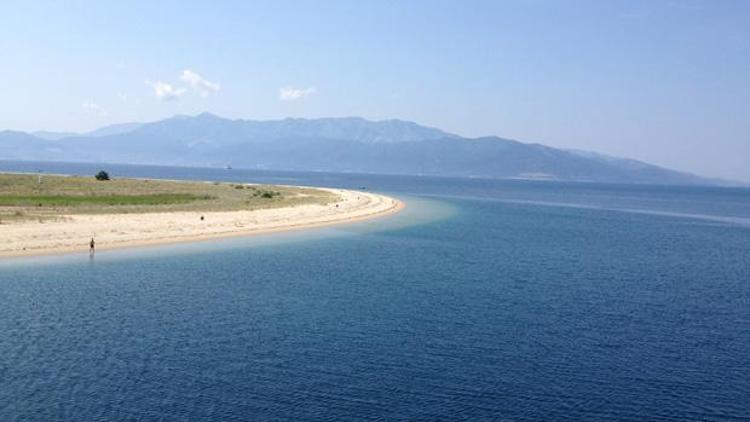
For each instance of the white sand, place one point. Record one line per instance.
(73, 232)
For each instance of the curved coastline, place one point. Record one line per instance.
(117, 231)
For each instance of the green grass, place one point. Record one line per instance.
(22, 197)
(72, 200)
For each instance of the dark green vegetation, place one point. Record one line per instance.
(102, 175)
(27, 196)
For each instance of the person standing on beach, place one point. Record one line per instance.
(92, 247)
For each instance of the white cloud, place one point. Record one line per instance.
(198, 83)
(94, 108)
(165, 91)
(290, 93)
(122, 96)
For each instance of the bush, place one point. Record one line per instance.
(266, 194)
(102, 175)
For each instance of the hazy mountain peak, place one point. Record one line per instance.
(208, 116)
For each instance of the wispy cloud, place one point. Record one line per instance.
(168, 92)
(199, 84)
(165, 91)
(290, 93)
(94, 108)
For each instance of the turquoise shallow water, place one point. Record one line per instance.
(483, 300)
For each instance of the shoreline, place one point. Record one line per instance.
(119, 231)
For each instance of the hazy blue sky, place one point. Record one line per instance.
(663, 81)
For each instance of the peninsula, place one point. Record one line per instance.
(57, 214)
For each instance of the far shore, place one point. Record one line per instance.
(72, 233)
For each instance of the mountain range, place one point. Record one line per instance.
(350, 144)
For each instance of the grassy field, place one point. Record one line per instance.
(23, 197)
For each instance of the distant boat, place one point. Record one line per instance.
(228, 167)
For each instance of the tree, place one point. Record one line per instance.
(102, 175)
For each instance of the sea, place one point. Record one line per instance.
(498, 300)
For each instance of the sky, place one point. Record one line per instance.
(667, 82)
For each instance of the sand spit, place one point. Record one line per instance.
(72, 233)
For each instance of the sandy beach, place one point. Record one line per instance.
(72, 233)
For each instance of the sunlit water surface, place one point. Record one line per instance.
(484, 299)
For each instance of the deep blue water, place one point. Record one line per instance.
(495, 300)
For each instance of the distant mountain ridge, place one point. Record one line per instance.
(115, 129)
(349, 144)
